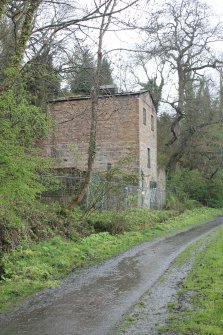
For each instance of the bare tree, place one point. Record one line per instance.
(38, 23)
(181, 36)
(105, 22)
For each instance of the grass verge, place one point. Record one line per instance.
(32, 268)
(204, 287)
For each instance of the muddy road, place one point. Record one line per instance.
(94, 300)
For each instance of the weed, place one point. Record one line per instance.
(127, 323)
(141, 304)
(171, 306)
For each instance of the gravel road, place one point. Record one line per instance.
(93, 301)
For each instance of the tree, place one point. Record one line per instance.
(7, 45)
(155, 90)
(82, 71)
(109, 7)
(22, 15)
(200, 156)
(41, 78)
(201, 123)
(106, 72)
(154, 82)
(22, 124)
(181, 36)
(3, 4)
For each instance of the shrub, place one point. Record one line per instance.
(114, 223)
(191, 188)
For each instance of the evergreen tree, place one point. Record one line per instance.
(155, 90)
(81, 77)
(42, 78)
(106, 73)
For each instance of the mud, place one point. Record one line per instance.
(150, 314)
(95, 300)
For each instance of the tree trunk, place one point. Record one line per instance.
(3, 4)
(21, 43)
(94, 107)
(173, 160)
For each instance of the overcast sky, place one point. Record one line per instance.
(129, 39)
(217, 5)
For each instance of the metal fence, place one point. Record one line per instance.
(102, 194)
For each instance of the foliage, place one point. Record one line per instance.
(81, 79)
(205, 286)
(198, 175)
(183, 49)
(7, 39)
(106, 72)
(120, 222)
(83, 70)
(155, 90)
(164, 122)
(188, 184)
(41, 78)
(32, 267)
(21, 126)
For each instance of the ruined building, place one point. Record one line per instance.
(127, 127)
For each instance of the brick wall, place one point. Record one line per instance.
(147, 139)
(120, 133)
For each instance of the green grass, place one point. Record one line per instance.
(127, 323)
(32, 268)
(205, 286)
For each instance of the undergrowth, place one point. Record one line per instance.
(30, 268)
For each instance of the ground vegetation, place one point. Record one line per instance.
(84, 241)
(202, 312)
(34, 59)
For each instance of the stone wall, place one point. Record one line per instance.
(147, 139)
(117, 132)
(121, 134)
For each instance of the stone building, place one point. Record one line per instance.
(127, 127)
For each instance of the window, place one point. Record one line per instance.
(144, 116)
(148, 157)
(152, 122)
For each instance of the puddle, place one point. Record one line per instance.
(93, 301)
(151, 312)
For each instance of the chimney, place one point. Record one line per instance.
(107, 90)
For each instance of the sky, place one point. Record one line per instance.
(217, 6)
(127, 39)
(123, 39)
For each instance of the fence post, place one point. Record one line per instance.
(126, 196)
(142, 189)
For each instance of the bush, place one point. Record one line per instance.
(124, 221)
(114, 223)
(21, 126)
(189, 188)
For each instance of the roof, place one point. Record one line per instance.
(61, 99)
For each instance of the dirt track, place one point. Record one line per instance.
(94, 301)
